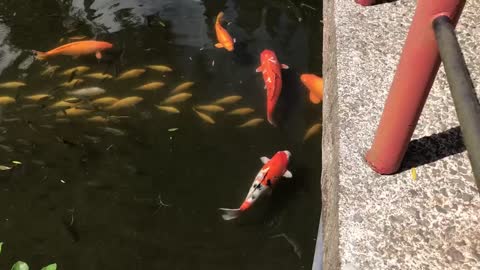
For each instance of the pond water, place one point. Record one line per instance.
(143, 192)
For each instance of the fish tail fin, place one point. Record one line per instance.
(40, 55)
(229, 214)
(219, 17)
(270, 120)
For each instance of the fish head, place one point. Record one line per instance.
(267, 55)
(228, 46)
(311, 81)
(105, 45)
(307, 79)
(287, 153)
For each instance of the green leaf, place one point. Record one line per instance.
(20, 266)
(1, 244)
(52, 266)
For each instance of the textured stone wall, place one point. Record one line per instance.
(393, 222)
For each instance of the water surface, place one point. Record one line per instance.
(88, 199)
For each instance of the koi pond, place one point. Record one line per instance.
(140, 188)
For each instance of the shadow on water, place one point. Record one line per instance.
(432, 148)
(143, 192)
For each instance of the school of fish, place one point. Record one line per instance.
(77, 94)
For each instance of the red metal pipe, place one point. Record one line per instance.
(413, 79)
(365, 2)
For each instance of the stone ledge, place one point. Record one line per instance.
(393, 222)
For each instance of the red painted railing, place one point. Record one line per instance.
(411, 85)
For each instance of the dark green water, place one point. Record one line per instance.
(87, 199)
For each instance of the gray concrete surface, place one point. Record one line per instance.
(393, 222)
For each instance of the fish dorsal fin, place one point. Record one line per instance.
(287, 174)
(264, 160)
(259, 69)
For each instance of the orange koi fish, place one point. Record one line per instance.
(314, 85)
(76, 49)
(272, 76)
(268, 176)
(224, 39)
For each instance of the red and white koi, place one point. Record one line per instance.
(268, 176)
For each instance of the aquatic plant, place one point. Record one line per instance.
(19, 265)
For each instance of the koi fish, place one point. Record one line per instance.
(76, 49)
(223, 37)
(6, 100)
(87, 92)
(269, 175)
(270, 68)
(227, 100)
(251, 123)
(314, 85)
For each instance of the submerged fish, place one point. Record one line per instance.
(160, 68)
(130, 74)
(63, 120)
(61, 104)
(76, 49)
(77, 37)
(182, 87)
(13, 119)
(29, 106)
(314, 85)
(241, 111)
(12, 85)
(177, 98)
(312, 131)
(104, 101)
(49, 71)
(72, 83)
(4, 168)
(5, 100)
(168, 109)
(227, 100)
(6, 148)
(210, 108)
(251, 123)
(38, 97)
(87, 92)
(72, 100)
(124, 103)
(78, 70)
(151, 86)
(269, 175)
(116, 118)
(205, 117)
(272, 76)
(98, 75)
(114, 131)
(73, 112)
(223, 37)
(98, 119)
